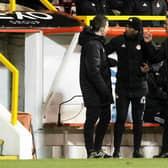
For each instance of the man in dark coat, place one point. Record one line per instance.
(146, 7)
(131, 86)
(163, 53)
(157, 96)
(95, 83)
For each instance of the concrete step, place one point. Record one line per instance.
(6, 157)
(9, 157)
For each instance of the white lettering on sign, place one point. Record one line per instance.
(21, 16)
(27, 15)
(39, 15)
(3, 16)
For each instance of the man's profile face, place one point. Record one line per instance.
(106, 28)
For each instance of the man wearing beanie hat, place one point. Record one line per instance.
(133, 51)
(134, 22)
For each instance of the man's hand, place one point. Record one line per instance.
(145, 68)
(147, 37)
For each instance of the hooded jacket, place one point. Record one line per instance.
(132, 52)
(145, 7)
(95, 77)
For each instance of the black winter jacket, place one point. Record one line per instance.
(162, 53)
(93, 7)
(131, 54)
(95, 77)
(158, 81)
(145, 7)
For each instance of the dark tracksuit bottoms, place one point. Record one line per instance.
(138, 106)
(164, 148)
(92, 115)
(165, 137)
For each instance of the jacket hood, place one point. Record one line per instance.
(87, 35)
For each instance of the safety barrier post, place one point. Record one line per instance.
(46, 3)
(15, 87)
(12, 5)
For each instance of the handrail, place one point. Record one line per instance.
(86, 19)
(46, 3)
(12, 5)
(155, 31)
(15, 87)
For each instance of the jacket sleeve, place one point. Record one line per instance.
(154, 55)
(92, 63)
(157, 90)
(112, 62)
(110, 47)
(162, 52)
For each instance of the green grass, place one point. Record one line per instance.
(84, 163)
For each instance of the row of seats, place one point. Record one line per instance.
(93, 7)
(113, 7)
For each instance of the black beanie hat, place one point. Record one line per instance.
(135, 23)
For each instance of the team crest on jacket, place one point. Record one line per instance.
(138, 47)
(123, 45)
(93, 4)
(158, 5)
(144, 4)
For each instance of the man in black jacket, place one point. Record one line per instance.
(157, 96)
(131, 87)
(163, 54)
(95, 83)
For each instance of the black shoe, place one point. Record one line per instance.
(161, 155)
(116, 155)
(102, 154)
(137, 155)
(92, 155)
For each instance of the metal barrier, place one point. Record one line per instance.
(15, 87)
(46, 3)
(86, 19)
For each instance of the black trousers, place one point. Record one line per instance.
(138, 106)
(92, 115)
(165, 137)
(164, 111)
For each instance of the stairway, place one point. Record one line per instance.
(5, 157)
